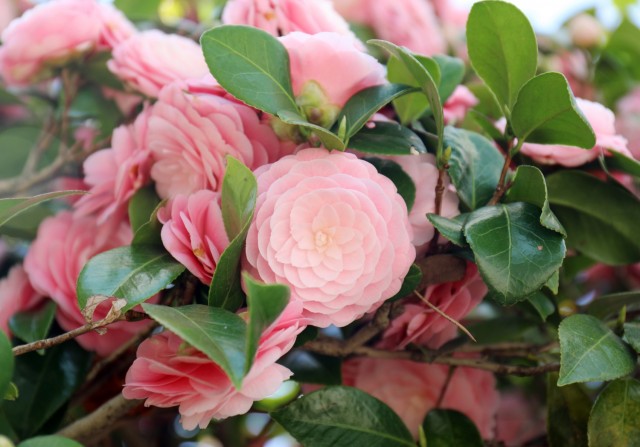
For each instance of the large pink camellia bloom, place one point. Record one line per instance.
(602, 121)
(628, 120)
(52, 33)
(280, 17)
(16, 295)
(412, 389)
(192, 130)
(167, 373)
(193, 232)
(152, 59)
(332, 228)
(63, 246)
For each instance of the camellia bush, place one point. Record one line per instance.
(329, 224)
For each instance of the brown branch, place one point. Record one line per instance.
(379, 323)
(438, 269)
(501, 188)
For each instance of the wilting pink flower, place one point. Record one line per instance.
(16, 295)
(115, 174)
(62, 247)
(191, 133)
(334, 230)
(420, 324)
(152, 59)
(193, 232)
(412, 389)
(458, 104)
(280, 17)
(520, 419)
(628, 120)
(167, 372)
(52, 33)
(602, 121)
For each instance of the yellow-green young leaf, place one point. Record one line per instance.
(414, 105)
(10, 208)
(12, 392)
(49, 441)
(567, 414)
(384, 138)
(450, 428)
(139, 10)
(590, 351)
(615, 415)
(7, 362)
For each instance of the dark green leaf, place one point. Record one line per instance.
(475, 166)
(502, 48)
(553, 284)
(504, 328)
(410, 283)
(546, 112)
(567, 414)
(452, 229)
(451, 74)
(49, 441)
(515, 254)
(543, 305)
(607, 305)
(239, 192)
(141, 206)
(632, 335)
(9, 208)
(7, 362)
(590, 351)
(387, 139)
(450, 428)
(33, 325)
(219, 334)
(326, 137)
(621, 162)
(308, 367)
(343, 417)
(91, 104)
(252, 65)
(149, 233)
(131, 273)
(601, 218)
(402, 180)
(615, 415)
(414, 105)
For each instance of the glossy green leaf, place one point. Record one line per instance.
(9, 208)
(409, 283)
(219, 334)
(46, 382)
(33, 325)
(450, 428)
(601, 219)
(402, 180)
(621, 162)
(608, 305)
(475, 166)
(343, 417)
(553, 284)
(239, 192)
(615, 415)
(528, 185)
(252, 65)
(590, 351)
(149, 232)
(546, 112)
(515, 254)
(452, 229)
(414, 105)
(384, 138)
(567, 414)
(49, 441)
(451, 74)
(265, 302)
(131, 273)
(7, 362)
(314, 368)
(542, 304)
(502, 48)
(141, 206)
(325, 136)
(632, 335)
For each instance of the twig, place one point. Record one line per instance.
(500, 189)
(445, 387)
(438, 269)
(379, 322)
(437, 310)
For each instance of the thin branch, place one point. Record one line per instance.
(445, 387)
(379, 323)
(437, 310)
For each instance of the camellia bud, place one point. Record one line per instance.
(315, 105)
(586, 31)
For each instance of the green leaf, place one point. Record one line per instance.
(451, 74)
(384, 138)
(139, 10)
(326, 137)
(543, 305)
(239, 192)
(16, 143)
(7, 362)
(632, 335)
(10, 208)
(615, 415)
(131, 273)
(620, 162)
(91, 104)
(475, 166)
(402, 180)
(601, 218)
(149, 233)
(452, 229)
(528, 185)
(12, 392)
(95, 69)
(607, 305)
(546, 113)
(141, 206)
(265, 302)
(46, 382)
(219, 334)
(567, 414)
(364, 104)
(502, 48)
(309, 367)
(33, 325)
(553, 284)
(343, 417)
(252, 65)
(590, 351)
(50, 441)
(414, 105)
(410, 283)
(450, 428)
(515, 254)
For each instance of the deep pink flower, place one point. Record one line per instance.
(458, 104)
(332, 228)
(16, 295)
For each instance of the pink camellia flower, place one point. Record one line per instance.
(519, 419)
(280, 17)
(586, 31)
(167, 372)
(458, 104)
(115, 174)
(420, 324)
(7, 13)
(333, 229)
(628, 120)
(602, 121)
(152, 59)
(414, 389)
(16, 295)
(63, 246)
(191, 132)
(193, 232)
(35, 43)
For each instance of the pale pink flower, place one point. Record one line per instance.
(586, 31)
(62, 247)
(520, 418)
(114, 175)
(456, 107)
(126, 102)
(412, 389)
(149, 60)
(280, 17)
(167, 372)
(193, 232)
(333, 229)
(628, 120)
(16, 295)
(7, 13)
(191, 133)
